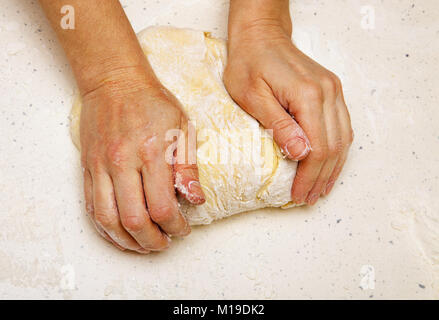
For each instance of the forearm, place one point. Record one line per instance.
(246, 15)
(102, 48)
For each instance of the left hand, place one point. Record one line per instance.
(299, 99)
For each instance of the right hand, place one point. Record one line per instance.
(129, 187)
(290, 93)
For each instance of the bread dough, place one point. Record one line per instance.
(240, 166)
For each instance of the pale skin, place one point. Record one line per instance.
(129, 186)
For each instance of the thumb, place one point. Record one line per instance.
(287, 133)
(290, 137)
(185, 167)
(188, 184)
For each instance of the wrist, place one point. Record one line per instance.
(249, 18)
(120, 82)
(117, 79)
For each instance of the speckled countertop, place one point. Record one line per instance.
(376, 236)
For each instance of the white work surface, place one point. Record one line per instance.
(376, 236)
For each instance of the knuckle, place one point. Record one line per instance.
(115, 153)
(320, 154)
(338, 83)
(329, 82)
(311, 91)
(351, 135)
(133, 223)
(246, 93)
(247, 97)
(282, 124)
(104, 218)
(335, 149)
(348, 138)
(162, 215)
(337, 80)
(149, 153)
(93, 161)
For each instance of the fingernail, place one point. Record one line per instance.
(313, 199)
(195, 187)
(196, 195)
(297, 149)
(329, 188)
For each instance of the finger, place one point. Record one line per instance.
(309, 114)
(158, 183)
(133, 213)
(321, 182)
(336, 172)
(345, 119)
(106, 213)
(287, 133)
(306, 175)
(334, 149)
(347, 137)
(185, 168)
(88, 193)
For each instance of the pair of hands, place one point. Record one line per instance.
(123, 137)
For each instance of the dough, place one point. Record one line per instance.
(240, 166)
